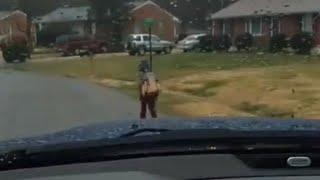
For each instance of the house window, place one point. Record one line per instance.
(306, 23)
(138, 38)
(255, 26)
(226, 27)
(146, 38)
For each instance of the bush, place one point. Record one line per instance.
(244, 41)
(222, 42)
(302, 42)
(278, 43)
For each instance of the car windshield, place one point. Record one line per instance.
(69, 64)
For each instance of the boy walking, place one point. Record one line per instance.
(149, 89)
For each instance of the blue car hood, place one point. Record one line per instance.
(116, 129)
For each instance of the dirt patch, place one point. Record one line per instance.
(207, 109)
(270, 92)
(248, 92)
(114, 83)
(264, 110)
(200, 89)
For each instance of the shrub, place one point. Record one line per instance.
(244, 41)
(302, 42)
(222, 42)
(278, 43)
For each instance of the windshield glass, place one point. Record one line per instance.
(87, 63)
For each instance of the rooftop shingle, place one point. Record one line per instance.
(245, 8)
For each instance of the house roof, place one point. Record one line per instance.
(139, 5)
(6, 14)
(65, 14)
(246, 8)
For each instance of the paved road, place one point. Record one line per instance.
(33, 105)
(56, 57)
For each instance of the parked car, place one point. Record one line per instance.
(76, 45)
(139, 44)
(190, 43)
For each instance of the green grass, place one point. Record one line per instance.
(207, 90)
(179, 65)
(169, 66)
(263, 110)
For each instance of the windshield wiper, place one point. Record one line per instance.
(142, 131)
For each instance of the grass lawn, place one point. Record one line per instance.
(200, 84)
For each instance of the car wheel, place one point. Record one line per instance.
(132, 53)
(7, 57)
(65, 54)
(22, 59)
(167, 50)
(76, 52)
(141, 51)
(197, 49)
(8, 60)
(104, 49)
(209, 50)
(158, 52)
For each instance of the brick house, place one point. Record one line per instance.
(167, 26)
(265, 18)
(14, 22)
(63, 20)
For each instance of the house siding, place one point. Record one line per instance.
(217, 28)
(289, 25)
(165, 26)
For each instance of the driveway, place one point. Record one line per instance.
(32, 105)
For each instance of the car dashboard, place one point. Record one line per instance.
(201, 166)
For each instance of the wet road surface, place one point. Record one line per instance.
(32, 104)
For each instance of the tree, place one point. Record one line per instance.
(33, 8)
(110, 15)
(193, 12)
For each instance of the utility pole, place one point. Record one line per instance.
(148, 23)
(150, 47)
(222, 4)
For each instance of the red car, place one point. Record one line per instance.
(69, 45)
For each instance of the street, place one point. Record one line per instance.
(33, 104)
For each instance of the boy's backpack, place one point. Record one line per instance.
(151, 84)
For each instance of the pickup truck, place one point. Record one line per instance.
(139, 44)
(76, 45)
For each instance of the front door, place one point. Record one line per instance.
(274, 26)
(316, 29)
